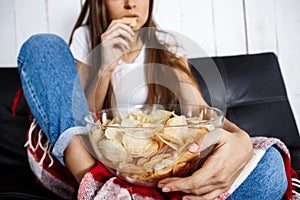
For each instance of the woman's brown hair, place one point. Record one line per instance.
(94, 15)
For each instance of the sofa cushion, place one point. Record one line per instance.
(255, 96)
(17, 180)
(12, 129)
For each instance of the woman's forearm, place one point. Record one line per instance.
(77, 159)
(95, 83)
(96, 93)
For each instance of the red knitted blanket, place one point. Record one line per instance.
(99, 183)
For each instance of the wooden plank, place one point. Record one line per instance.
(8, 52)
(229, 27)
(179, 17)
(288, 22)
(167, 14)
(30, 19)
(261, 26)
(62, 16)
(197, 24)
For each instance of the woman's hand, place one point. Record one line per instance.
(115, 42)
(231, 152)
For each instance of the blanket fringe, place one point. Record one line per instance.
(46, 147)
(17, 99)
(296, 184)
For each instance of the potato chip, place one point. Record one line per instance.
(163, 164)
(97, 133)
(114, 134)
(160, 116)
(178, 168)
(141, 133)
(201, 131)
(176, 121)
(170, 141)
(133, 21)
(130, 168)
(160, 174)
(186, 156)
(176, 130)
(139, 147)
(210, 126)
(141, 161)
(131, 122)
(113, 151)
(155, 160)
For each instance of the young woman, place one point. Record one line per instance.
(59, 104)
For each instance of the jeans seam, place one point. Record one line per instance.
(35, 100)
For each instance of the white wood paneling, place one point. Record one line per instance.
(229, 27)
(8, 43)
(30, 19)
(288, 17)
(167, 14)
(191, 20)
(197, 24)
(62, 16)
(261, 25)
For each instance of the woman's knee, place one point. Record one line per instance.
(44, 39)
(43, 51)
(42, 46)
(271, 174)
(276, 170)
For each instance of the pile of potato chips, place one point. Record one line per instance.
(144, 148)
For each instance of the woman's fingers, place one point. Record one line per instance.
(207, 141)
(118, 33)
(118, 28)
(112, 50)
(115, 42)
(120, 39)
(205, 180)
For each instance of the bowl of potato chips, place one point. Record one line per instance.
(143, 144)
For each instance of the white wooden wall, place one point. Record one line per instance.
(220, 27)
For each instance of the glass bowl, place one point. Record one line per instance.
(143, 144)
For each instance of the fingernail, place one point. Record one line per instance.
(166, 190)
(194, 147)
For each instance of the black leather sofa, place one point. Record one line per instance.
(254, 93)
(255, 96)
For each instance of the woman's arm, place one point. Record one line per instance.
(77, 159)
(95, 81)
(232, 149)
(115, 42)
(95, 84)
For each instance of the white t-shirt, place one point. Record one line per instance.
(128, 79)
(81, 46)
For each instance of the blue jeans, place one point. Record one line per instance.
(52, 89)
(55, 97)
